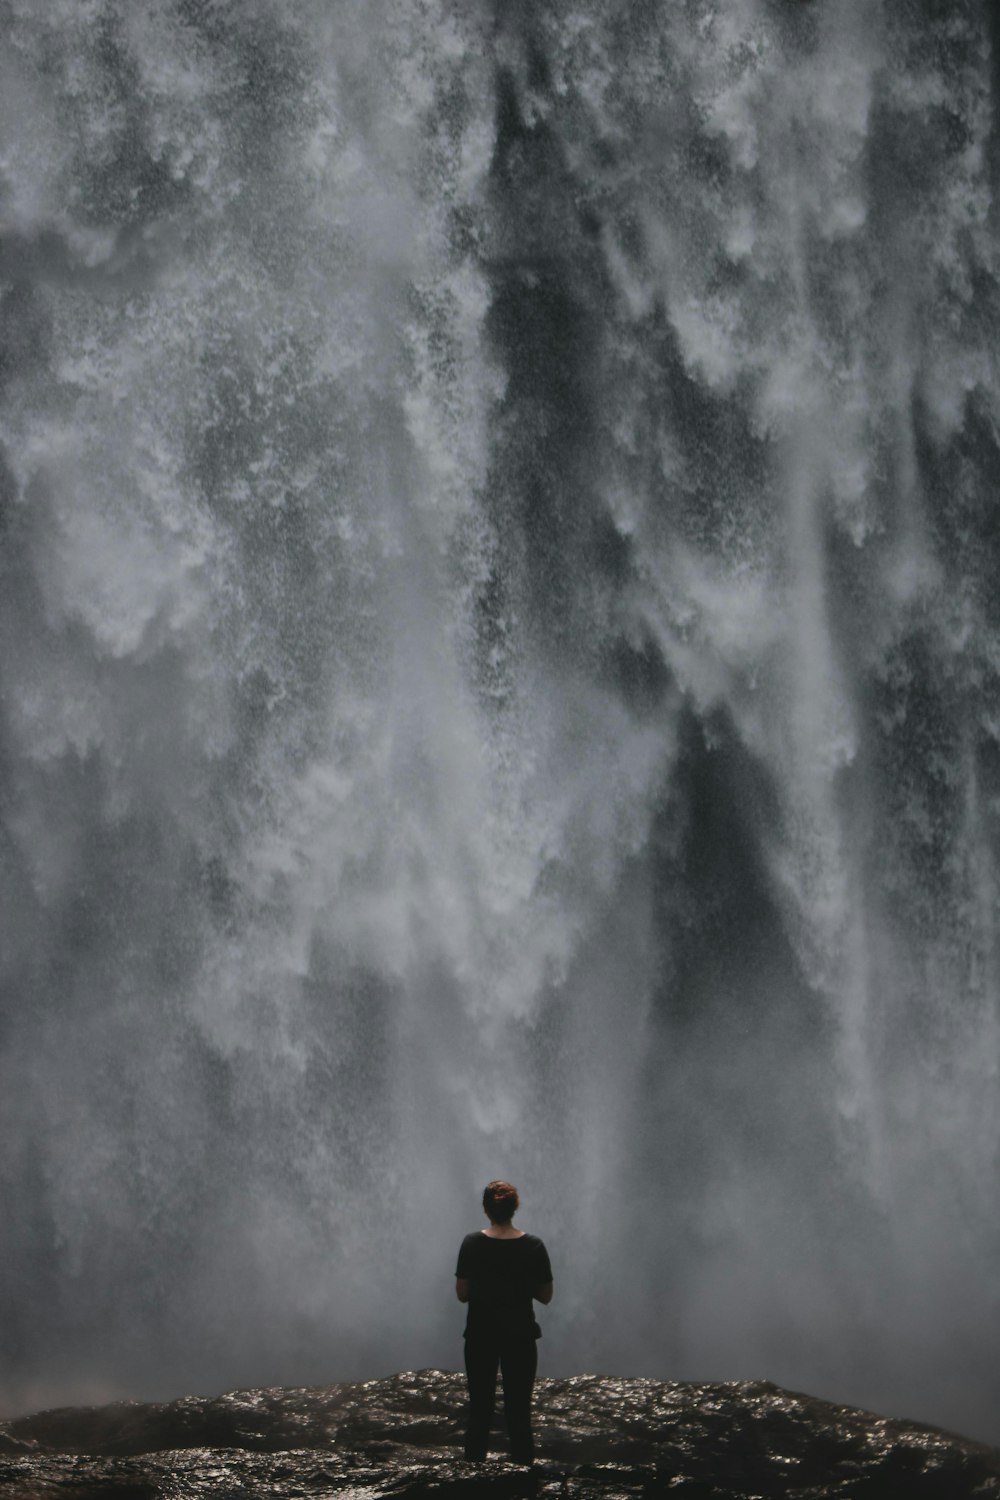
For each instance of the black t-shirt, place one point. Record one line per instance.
(502, 1275)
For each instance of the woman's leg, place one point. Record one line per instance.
(481, 1361)
(518, 1363)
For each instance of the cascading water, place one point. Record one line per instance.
(500, 677)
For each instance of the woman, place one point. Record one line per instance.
(499, 1271)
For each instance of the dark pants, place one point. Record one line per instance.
(517, 1362)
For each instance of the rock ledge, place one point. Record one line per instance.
(401, 1437)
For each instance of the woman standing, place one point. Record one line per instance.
(499, 1271)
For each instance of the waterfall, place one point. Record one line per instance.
(500, 678)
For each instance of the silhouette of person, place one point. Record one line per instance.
(500, 1269)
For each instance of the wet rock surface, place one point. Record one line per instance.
(401, 1436)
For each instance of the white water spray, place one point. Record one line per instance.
(500, 665)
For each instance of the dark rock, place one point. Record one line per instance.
(401, 1437)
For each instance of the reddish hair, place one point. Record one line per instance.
(500, 1201)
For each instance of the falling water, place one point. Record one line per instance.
(501, 649)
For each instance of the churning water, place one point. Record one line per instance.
(500, 611)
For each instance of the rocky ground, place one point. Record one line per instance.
(400, 1437)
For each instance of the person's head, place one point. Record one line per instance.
(500, 1201)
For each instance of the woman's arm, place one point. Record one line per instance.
(542, 1293)
(462, 1289)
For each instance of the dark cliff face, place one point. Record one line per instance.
(400, 1436)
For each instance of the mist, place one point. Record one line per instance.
(500, 655)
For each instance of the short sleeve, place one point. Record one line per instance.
(465, 1258)
(543, 1266)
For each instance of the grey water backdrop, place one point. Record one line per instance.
(500, 649)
